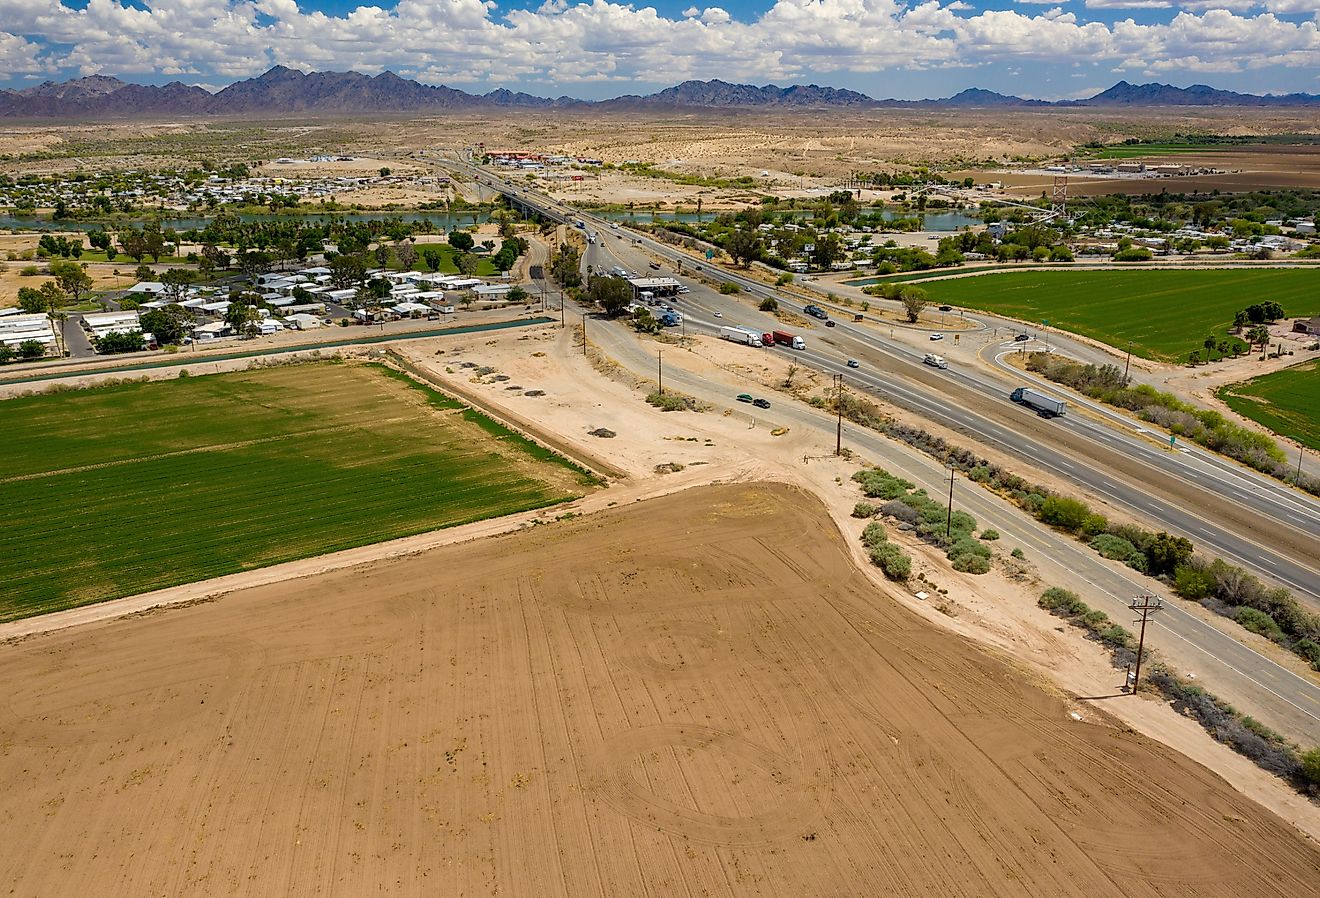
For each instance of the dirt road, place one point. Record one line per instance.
(693, 695)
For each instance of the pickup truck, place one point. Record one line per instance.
(816, 312)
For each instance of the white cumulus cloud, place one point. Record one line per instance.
(478, 43)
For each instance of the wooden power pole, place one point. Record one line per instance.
(1145, 606)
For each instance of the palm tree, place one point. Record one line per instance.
(1261, 335)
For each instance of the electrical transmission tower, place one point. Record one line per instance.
(1059, 201)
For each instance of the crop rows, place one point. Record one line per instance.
(1166, 314)
(83, 536)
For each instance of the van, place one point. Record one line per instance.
(935, 361)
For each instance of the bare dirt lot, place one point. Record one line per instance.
(694, 695)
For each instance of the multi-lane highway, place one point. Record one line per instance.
(1228, 510)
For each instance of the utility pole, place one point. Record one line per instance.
(1301, 451)
(584, 333)
(660, 369)
(948, 522)
(838, 406)
(1128, 364)
(561, 308)
(1145, 606)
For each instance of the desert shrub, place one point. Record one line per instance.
(863, 510)
(1311, 765)
(968, 546)
(990, 535)
(1191, 582)
(1265, 749)
(1018, 553)
(670, 402)
(1259, 622)
(1093, 525)
(878, 484)
(1056, 598)
(769, 304)
(729, 288)
(874, 534)
(892, 560)
(900, 511)
(1113, 547)
(979, 474)
(1063, 512)
(971, 564)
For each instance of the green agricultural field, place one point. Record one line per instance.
(1287, 401)
(1165, 313)
(123, 489)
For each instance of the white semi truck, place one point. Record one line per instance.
(1046, 406)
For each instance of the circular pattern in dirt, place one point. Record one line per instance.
(791, 795)
(678, 648)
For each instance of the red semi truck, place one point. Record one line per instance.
(784, 338)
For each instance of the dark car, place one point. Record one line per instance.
(744, 397)
(1022, 338)
(829, 322)
(946, 308)
(761, 403)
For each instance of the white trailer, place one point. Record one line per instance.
(738, 335)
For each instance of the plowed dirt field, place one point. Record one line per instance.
(695, 695)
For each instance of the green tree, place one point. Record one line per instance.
(565, 266)
(167, 325)
(467, 264)
(52, 296)
(612, 294)
(175, 280)
(1259, 336)
(72, 278)
(144, 273)
(461, 240)
(253, 264)
(31, 301)
(29, 350)
(242, 318)
(348, 271)
(829, 249)
(121, 341)
(744, 246)
(914, 302)
(6, 353)
(153, 240)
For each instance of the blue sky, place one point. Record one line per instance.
(885, 48)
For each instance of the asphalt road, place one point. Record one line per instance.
(1257, 523)
(1237, 514)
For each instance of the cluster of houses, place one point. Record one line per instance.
(171, 189)
(302, 300)
(536, 161)
(17, 328)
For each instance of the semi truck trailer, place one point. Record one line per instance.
(738, 335)
(784, 338)
(1046, 406)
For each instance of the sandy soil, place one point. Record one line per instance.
(604, 706)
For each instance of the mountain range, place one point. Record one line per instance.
(282, 91)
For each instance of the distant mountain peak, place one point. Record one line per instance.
(281, 90)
